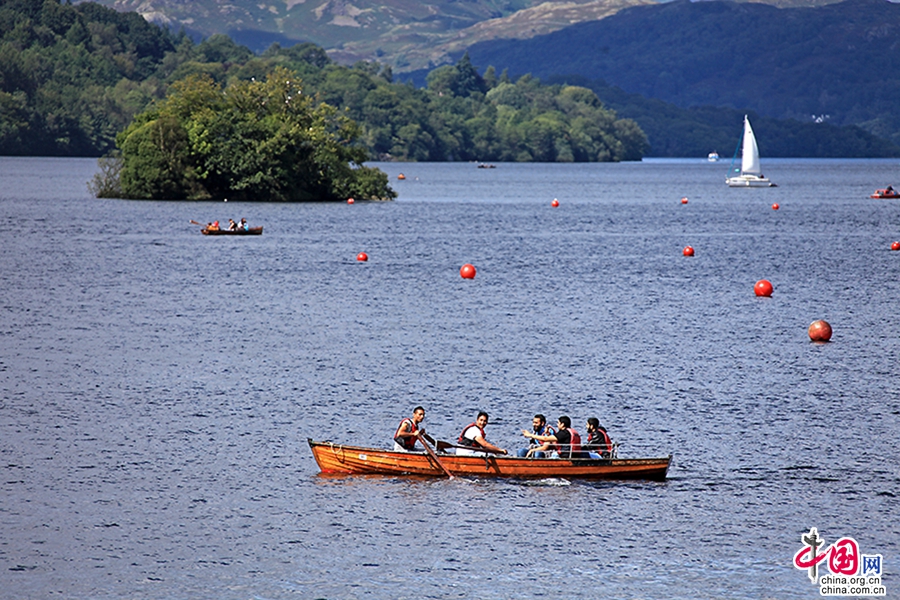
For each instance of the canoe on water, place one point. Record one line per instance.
(341, 459)
(251, 231)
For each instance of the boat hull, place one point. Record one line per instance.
(885, 194)
(749, 181)
(251, 231)
(338, 459)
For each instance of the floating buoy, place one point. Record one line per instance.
(555, 203)
(775, 206)
(819, 331)
(362, 257)
(684, 200)
(688, 251)
(349, 200)
(401, 176)
(763, 287)
(895, 246)
(467, 271)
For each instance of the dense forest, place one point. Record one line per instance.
(838, 63)
(73, 76)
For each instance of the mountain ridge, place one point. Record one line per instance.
(838, 63)
(406, 34)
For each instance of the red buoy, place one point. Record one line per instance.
(775, 206)
(467, 271)
(349, 200)
(684, 200)
(895, 246)
(819, 331)
(763, 287)
(555, 203)
(362, 257)
(688, 251)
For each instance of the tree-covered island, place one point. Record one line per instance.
(252, 140)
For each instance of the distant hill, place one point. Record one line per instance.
(838, 63)
(402, 33)
(673, 131)
(405, 34)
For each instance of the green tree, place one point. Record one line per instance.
(253, 140)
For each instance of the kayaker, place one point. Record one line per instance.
(598, 443)
(473, 437)
(539, 427)
(565, 443)
(244, 225)
(409, 431)
(232, 226)
(214, 226)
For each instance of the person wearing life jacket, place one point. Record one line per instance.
(565, 443)
(409, 431)
(474, 440)
(598, 443)
(539, 427)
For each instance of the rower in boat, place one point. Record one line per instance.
(474, 439)
(410, 430)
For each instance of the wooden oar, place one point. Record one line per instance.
(193, 222)
(442, 445)
(434, 455)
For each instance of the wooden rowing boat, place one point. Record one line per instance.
(340, 459)
(251, 231)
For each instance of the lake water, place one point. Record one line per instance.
(157, 387)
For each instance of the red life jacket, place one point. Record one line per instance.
(599, 440)
(408, 443)
(574, 448)
(464, 441)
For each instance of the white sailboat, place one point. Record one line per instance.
(750, 173)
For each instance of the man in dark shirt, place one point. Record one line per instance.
(598, 443)
(565, 442)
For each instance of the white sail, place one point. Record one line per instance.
(750, 152)
(751, 173)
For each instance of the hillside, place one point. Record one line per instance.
(72, 77)
(673, 131)
(405, 34)
(362, 29)
(838, 63)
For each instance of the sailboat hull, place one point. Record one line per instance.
(749, 181)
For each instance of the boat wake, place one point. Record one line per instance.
(549, 481)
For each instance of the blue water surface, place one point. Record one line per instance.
(157, 386)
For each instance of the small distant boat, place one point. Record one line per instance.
(339, 459)
(888, 192)
(251, 231)
(401, 176)
(484, 166)
(713, 157)
(750, 173)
